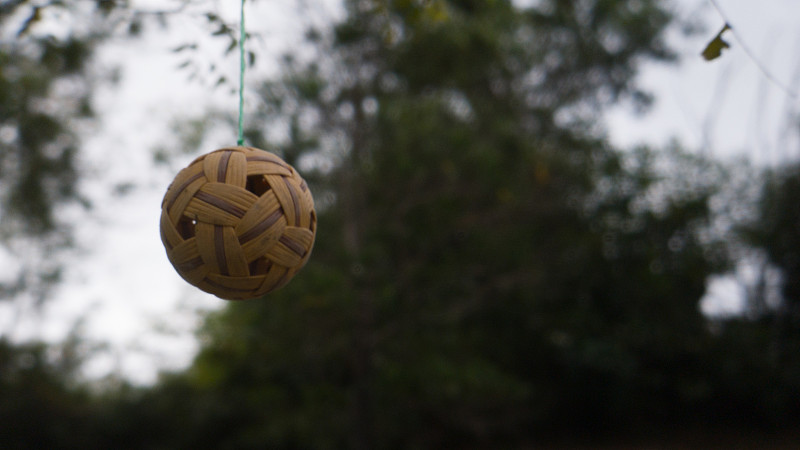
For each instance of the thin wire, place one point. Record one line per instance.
(788, 90)
(241, 76)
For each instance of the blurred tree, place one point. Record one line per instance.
(47, 81)
(776, 231)
(487, 268)
(488, 273)
(774, 327)
(39, 407)
(44, 92)
(46, 85)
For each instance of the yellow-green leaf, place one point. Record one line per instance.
(714, 48)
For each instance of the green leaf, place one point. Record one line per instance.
(714, 48)
(231, 46)
(223, 29)
(180, 48)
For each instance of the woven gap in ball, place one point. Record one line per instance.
(186, 227)
(260, 265)
(257, 184)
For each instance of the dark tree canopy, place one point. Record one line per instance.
(489, 272)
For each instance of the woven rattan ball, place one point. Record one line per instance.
(238, 222)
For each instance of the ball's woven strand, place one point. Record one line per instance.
(238, 222)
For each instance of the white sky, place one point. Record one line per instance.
(728, 99)
(131, 299)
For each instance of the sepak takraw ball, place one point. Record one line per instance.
(238, 222)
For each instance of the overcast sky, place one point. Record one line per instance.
(131, 298)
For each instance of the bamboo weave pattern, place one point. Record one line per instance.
(238, 222)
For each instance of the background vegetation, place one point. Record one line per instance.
(489, 271)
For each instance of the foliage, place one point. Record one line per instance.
(775, 231)
(489, 272)
(45, 90)
(38, 406)
(47, 81)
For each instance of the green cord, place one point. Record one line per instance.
(240, 142)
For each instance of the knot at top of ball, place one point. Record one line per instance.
(238, 222)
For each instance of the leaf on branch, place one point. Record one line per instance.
(231, 46)
(135, 27)
(223, 29)
(714, 48)
(183, 47)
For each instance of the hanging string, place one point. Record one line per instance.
(241, 76)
